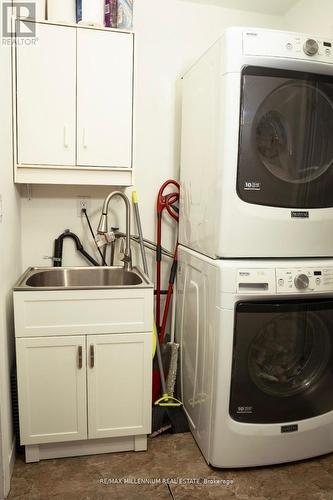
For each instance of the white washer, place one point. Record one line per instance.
(256, 357)
(257, 149)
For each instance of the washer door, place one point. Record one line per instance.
(282, 361)
(285, 148)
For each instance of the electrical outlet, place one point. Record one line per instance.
(83, 202)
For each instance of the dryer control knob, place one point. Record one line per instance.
(301, 281)
(311, 47)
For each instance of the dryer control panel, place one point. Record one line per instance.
(299, 280)
(287, 45)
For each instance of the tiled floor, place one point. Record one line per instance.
(174, 457)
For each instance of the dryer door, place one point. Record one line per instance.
(285, 143)
(282, 361)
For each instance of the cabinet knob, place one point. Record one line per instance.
(80, 356)
(92, 356)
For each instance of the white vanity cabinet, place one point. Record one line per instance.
(51, 374)
(119, 389)
(80, 390)
(73, 105)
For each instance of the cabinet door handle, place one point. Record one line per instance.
(92, 356)
(80, 356)
(66, 143)
(84, 142)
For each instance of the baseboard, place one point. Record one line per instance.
(35, 452)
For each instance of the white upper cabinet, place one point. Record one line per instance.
(46, 79)
(73, 112)
(104, 97)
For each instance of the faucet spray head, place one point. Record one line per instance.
(103, 224)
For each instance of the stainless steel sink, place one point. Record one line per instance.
(55, 278)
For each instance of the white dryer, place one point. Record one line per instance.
(257, 148)
(256, 357)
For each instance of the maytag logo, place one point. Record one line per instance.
(299, 214)
(289, 428)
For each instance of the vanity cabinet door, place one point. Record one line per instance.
(51, 374)
(104, 98)
(119, 384)
(46, 96)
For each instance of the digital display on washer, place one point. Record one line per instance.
(317, 273)
(327, 44)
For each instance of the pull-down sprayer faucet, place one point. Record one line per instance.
(103, 225)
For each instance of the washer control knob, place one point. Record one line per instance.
(301, 281)
(310, 47)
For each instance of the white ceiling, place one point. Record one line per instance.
(264, 6)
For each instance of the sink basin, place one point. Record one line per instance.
(81, 277)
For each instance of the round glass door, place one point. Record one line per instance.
(289, 354)
(285, 147)
(292, 132)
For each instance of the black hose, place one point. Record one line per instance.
(58, 248)
(57, 256)
(88, 257)
(93, 235)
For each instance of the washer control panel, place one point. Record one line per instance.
(300, 280)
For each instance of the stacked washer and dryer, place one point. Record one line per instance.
(255, 276)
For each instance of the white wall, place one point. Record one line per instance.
(311, 17)
(10, 263)
(170, 35)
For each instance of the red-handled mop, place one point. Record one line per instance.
(168, 202)
(167, 410)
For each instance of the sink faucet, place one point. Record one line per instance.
(103, 225)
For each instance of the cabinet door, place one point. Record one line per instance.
(46, 97)
(51, 374)
(104, 98)
(119, 384)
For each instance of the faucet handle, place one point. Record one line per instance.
(121, 251)
(127, 259)
(110, 236)
(105, 238)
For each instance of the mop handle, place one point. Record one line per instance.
(160, 367)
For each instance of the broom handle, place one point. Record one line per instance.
(160, 367)
(173, 312)
(139, 226)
